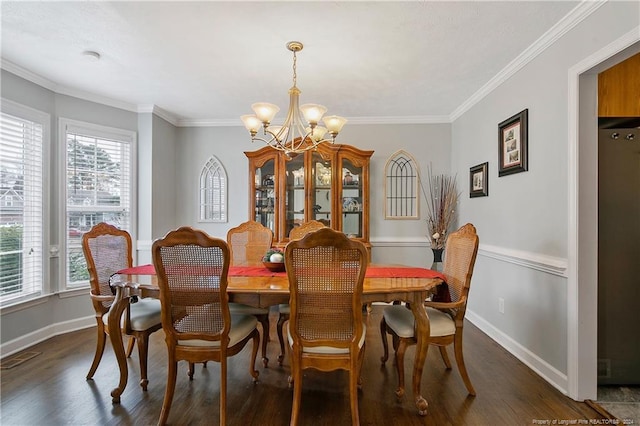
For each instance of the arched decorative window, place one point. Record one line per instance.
(213, 192)
(401, 187)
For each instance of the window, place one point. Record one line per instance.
(24, 140)
(98, 187)
(401, 187)
(213, 192)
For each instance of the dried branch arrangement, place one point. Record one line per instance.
(442, 199)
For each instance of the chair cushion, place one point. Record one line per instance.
(241, 327)
(284, 309)
(327, 349)
(144, 314)
(242, 309)
(401, 321)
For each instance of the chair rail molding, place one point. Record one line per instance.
(540, 262)
(399, 242)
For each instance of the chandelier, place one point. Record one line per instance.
(294, 136)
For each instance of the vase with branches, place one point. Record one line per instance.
(442, 199)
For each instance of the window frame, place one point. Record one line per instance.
(409, 192)
(213, 163)
(44, 119)
(66, 125)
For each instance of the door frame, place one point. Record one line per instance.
(582, 285)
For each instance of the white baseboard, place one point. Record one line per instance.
(28, 340)
(552, 375)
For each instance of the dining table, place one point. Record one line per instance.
(259, 287)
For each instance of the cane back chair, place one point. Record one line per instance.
(325, 331)
(107, 250)
(248, 242)
(192, 270)
(446, 318)
(284, 309)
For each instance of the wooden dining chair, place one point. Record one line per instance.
(446, 318)
(325, 331)
(284, 309)
(248, 242)
(192, 270)
(107, 250)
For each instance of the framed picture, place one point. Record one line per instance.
(512, 144)
(479, 180)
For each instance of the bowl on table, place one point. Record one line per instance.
(274, 266)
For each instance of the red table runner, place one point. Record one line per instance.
(261, 271)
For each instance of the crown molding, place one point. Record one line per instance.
(62, 90)
(573, 18)
(28, 75)
(204, 122)
(429, 119)
(162, 113)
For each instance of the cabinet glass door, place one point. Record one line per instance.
(322, 196)
(351, 199)
(294, 194)
(265, 195)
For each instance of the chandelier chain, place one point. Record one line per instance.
(295, 75)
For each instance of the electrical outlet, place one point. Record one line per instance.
(501, 305)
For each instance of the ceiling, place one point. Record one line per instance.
(208, 62)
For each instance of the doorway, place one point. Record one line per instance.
(619, 254)
(582, 291)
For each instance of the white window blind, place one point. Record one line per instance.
(21, 209)
(213, 192)
(98, 189)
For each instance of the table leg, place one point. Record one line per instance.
(423, 332)
(115, 335)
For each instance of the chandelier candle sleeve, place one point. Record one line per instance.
(300, 131)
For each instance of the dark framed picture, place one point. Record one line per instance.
(512, 144)
(479, 180)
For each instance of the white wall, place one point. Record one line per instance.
(524, 222)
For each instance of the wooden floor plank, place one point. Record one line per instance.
(51, 389)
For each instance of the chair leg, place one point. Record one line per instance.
(169, 391)
(297, 390)
(385, 344)
(354, 373)
(191, 370)
(457, 343)
(223, 389)
(445, 356)
(402, 347)
(143, 345)
(264, 320)
(282, 318)
(132, 341)
(254, 354)
(102, 338)
(360, 362)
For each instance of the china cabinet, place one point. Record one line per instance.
(329, 184)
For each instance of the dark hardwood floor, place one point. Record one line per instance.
(51, 389)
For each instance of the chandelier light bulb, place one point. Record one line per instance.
(334, 124)
(313, 112)
(252, 123)
(265, 111)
